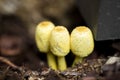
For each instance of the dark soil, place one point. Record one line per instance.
(92, 68)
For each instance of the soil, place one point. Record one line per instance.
(90, 69)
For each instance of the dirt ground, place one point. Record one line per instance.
(90, 69)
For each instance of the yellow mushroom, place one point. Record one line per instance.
(82, 43)
(42, 36)
(60, 45)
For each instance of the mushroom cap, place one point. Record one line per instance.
(82, 43)
(42, 35)
(60, 41)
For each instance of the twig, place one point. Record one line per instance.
(5, 60)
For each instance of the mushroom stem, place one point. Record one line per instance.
(51, 61)
(77, 60)
(61, 63)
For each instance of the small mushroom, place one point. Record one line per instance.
(60, 45)
(42, 37)
(82, 43)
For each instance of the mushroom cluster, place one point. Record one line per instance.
(56, 41)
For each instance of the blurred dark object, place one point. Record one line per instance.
(15, 44)
(112, 64)
(102, 16)
(12, 41)
(116, 45)
(111, 69)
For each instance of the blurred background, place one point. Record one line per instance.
(60, 12)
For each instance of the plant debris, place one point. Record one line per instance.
(88, 70)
